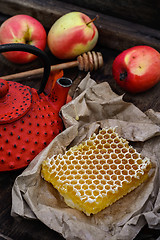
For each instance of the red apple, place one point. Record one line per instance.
(71, 35)
(137, 69)
(22, 29)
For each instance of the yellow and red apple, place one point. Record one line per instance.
(22, 29)
(137, 69)
(71, 35)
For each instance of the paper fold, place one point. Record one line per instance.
(94, 106)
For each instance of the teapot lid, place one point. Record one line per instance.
(15, 101)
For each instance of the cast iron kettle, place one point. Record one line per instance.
(29, 119)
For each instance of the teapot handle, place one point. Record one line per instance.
(34, 50)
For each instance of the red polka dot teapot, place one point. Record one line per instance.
(29, 119)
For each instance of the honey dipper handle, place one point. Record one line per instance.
(40, 70)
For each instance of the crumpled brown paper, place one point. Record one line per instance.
(95, 105)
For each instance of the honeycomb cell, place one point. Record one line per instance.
(62, 178)
(103, 141)
(92, 186)
(121, 155)
(78, 187)
(113, 135)
(81, 171)
(103, 151)
(124, 161)
(88, 182)
(96, 151)
(67, 172)
(78, 176)
(114, 177)
(116, 140)
(81, 181)
(95, 193)
(109, 172)
(113, 166)
(109, 140)
(113, 145)
(117, 172)
(127, 155)
(95, 172)
(103, 182)
(99, 156)
(121, 166)
(127, 166)
(128, 178)
(91, 175)
(89, 171)
(74, 172)
(99, 177)
(110, 150)
(102, 172)
(106, 145)
(60, 173)
(106, 156)
(118, 183)
(70, 177)
(100, 146)
(110, 130)
(113, 156)
(100, 187)
(95, 161)
(124, 172)
(84, 176)
(91, 166)
(117, 150)
(85, 186)
(105, 166)
(99, 166)
(85, 157)
(71, 157)
(71, 167)
(64, 168)
(117, 161)
(102, 161)
(85, 166)
(106, 136)
(124, 150)
(107, 177)
(110, 161)
(88, 192)
(107, 187)
(78, 167)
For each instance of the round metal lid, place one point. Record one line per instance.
(15, 101)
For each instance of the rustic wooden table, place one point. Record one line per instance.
(20, 228)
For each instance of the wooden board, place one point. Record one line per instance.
(114, 33)
(23, 229)
(145, 12)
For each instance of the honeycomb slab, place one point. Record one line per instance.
(97, 172)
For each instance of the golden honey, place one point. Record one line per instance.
(97, 172)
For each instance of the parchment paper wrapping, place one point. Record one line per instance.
(95, 105)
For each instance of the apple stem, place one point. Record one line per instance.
(122, 76)
(97, 17)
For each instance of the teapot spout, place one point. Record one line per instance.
(60, 91)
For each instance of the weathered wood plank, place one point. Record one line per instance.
(144, 12)
(114, 33)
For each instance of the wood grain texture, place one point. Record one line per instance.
(25, 229)
(145, 12)
(115, 35)
(114, 32)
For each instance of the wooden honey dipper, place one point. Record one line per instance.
(86, 62)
